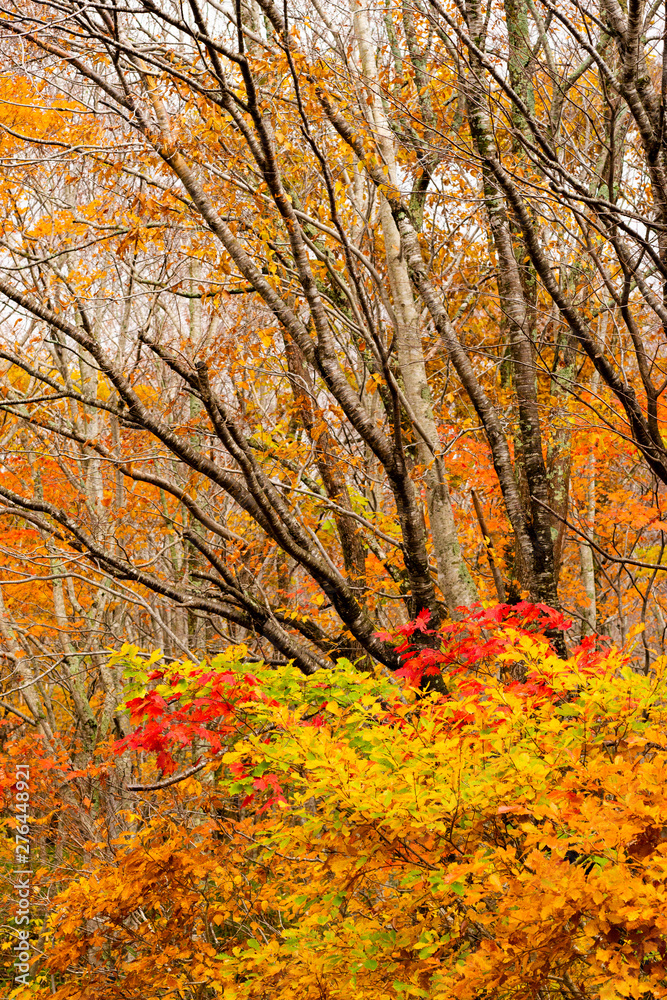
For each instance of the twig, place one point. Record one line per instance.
(488, 545)
(168, 781)
(614, 559)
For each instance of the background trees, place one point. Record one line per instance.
(280, 294)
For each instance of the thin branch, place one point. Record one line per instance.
(166, 782)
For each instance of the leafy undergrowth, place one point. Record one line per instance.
(350, 834)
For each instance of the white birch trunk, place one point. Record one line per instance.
(585, 550)
(454, 578)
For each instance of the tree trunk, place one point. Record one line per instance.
(454, 578)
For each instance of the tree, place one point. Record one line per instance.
(246, 255)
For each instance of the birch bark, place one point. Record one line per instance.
(586, 550)
(454, 578)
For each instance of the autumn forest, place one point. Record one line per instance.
(333, 499)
